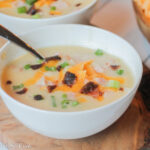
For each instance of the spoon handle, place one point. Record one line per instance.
(13, 38)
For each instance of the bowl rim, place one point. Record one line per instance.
(51, 18)
(130, 92)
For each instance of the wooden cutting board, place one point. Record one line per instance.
(130, 132)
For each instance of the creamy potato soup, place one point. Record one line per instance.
(41, 8)
(70, 79)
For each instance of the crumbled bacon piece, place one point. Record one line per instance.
(38, 97)
(94, 93)
(69, 79)
(53, 58)
(114, 67)
(101, 93)
(79, 4)
(89, 88)
(9, 82)
(51, 88)
(59, 68)
(121, 89)
(32, 10)
(36, 66)
(22, 91)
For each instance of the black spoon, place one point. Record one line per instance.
(13, 38)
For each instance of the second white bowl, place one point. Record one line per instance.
(23, 25)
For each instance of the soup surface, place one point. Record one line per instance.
(41, 8)
(71, 79)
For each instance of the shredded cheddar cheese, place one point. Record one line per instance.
(83, 71)
(6, 3)
(81, 100)
(55, 12)
(34, 79)
(41, 3)
(38, 4)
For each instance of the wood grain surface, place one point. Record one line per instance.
(130, 132)
(2, 42)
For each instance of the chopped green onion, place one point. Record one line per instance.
(99, 52)
(50, 68)
(65, 64)
(47, 68)
(53, 8)
(64, 103)
(22, 10)
(28, 66)
(64, 96)
(40, 61)
(75, 103)
(53, 101)
(120, 72)
(36, 16)
(114, 84)
(16, 87)
(30, 2)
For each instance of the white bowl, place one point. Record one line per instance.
(22, 25)
(73, 125)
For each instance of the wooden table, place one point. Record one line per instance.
(130, 132)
